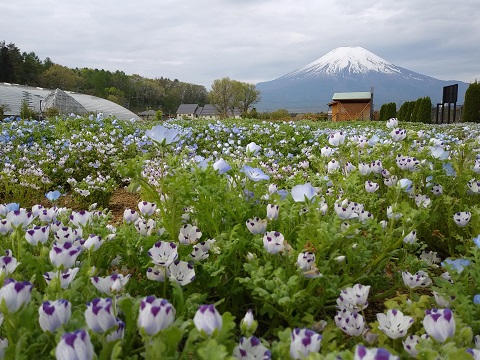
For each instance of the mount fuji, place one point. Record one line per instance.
(349, 69)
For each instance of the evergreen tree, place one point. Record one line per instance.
(425, 110)
(471, 112)
(416, 109)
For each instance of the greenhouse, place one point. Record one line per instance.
(39, 99)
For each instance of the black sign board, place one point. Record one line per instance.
(450, 94)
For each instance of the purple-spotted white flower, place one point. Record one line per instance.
(100, 315)
(354, 298)
(439, 324)
(272, 211)
(256, 225)
(200, 250)
(462, 218)
(326, 151)
(394, 324)
(419, 279)
(371, 186)
(8, 264)
(376, 166)
(345, 210)
(118, 333)
(75, 345)
(437, 189)
(64, 254)
(392, 123)
(251, 348)
(37, 234)
(114, 283)
(410, 344)
(5, 227)
(155, 314)
(48, 215)
(273, 242)
(15, 294)
(254, 174)
(248, 325)
(474, 186)
(332, 166)
(306, 260)
(208, 319)
(163, 253)
(93, 242)
(411, 237)
(302, 192)
(182, 272)
(364, 168)
(162, 135)
(363, 353)
(304, 342)
(158, 273)
(147, 208)
(80, 218)
(398, 134)
(130, 216)
(19, 218)
(66, 233)
(145, 227)
(53, 314)
(189, 234)
(337, 138)
(422, 200)
(350, 322)
(65, 276)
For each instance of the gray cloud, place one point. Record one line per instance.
(200, 41)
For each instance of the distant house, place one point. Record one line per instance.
(351, 106)
(194, 111)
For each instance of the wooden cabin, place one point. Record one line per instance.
(351, 106)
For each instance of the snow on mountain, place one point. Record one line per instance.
(349, 69)
(351, 60)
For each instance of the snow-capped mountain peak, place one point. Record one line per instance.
(347, 60)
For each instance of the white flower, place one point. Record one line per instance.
(394, 324)
(273, 242)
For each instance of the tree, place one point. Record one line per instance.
(222, 96)
(471, 112)
(416, 110)
(245, 96)
(388, 111)
(425, 110)
(61, 77)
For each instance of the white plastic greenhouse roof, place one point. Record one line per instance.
(12, 95)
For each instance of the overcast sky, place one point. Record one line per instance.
(198, 41)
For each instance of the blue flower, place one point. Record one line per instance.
(53, 195)
(476, 299)
(162, 135)
(449, 170)
(300, 192)
(254, 174)
(476, 240)
(457, 264)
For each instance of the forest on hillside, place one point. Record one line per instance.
(135, 92)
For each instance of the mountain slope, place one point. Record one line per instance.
(346, 69)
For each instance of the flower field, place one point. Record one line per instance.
(253, 240)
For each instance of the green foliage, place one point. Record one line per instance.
(388, 111)
(425, 110)
(471, 112)
(25, 111)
